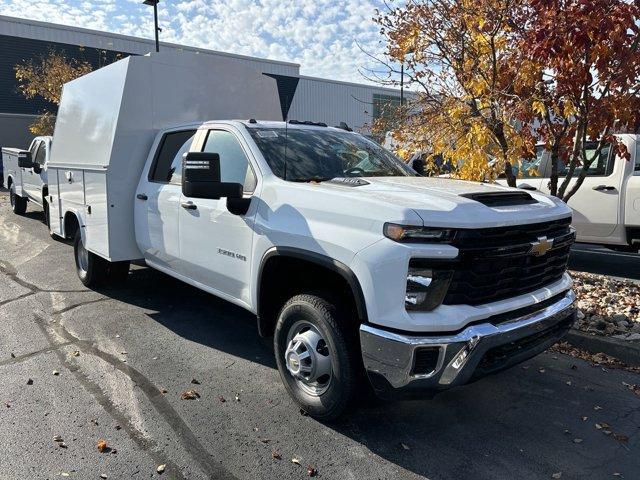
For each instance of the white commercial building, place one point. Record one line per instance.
(301, 97)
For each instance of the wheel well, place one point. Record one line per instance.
(71, 225)
(283, 276)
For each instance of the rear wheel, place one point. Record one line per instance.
(317, 363)
(92, 269)
(18, 203)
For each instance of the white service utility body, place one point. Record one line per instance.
(25, 173)
(348, 259)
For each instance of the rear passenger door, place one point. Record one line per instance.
(158, 200)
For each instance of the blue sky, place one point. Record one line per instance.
(322, 35)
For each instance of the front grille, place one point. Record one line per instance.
(496, 263)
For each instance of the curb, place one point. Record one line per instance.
(627, 351)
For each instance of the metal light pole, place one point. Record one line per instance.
(154, 3)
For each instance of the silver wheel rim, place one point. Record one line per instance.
(83, 257)
(307, 358)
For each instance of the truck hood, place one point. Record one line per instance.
(455, 203)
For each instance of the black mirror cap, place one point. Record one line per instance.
(212, 190)
(201, 167)
(25, 160)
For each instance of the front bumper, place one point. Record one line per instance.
(390, 359)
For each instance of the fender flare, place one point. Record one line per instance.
(80, 224)
(324, 261)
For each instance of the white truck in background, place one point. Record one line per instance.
(25, 174)
(360, 270)
(606, 208)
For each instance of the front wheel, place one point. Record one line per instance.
(18, 203)
(92, 269)
(316, 362)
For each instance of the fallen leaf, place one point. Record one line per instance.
(57, 438)
(568, 382)
(275, 454)
(311, 471)
(616, 474)
(541, 370)
(265, 440)
(621, 438)
(404, 446)
(102, 445)
(525, 367)
(64, 474)
(76, 353)
(161, 468)
(195, 382)
(584, 419)
(221, 398)
(237, 397)
(29, 382)
(56, 372)
(557, 475)
(62, 445)
(295, 460)
(13, 355)
(163, 391)
(189, 395)
(577, 440)
(597, 407)
(103, 476)
(118, 427)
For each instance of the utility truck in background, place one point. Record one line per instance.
(359, 269)
(25, 174)
(606, 207)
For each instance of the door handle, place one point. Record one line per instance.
(526, 186)
(602, 188)
(141, 196)
(188, 205)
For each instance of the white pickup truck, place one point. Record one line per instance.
(606, 208)
(359, 269)
(25, 174)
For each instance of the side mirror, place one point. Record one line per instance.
(201, 177)
(25, 160)
(418, 166)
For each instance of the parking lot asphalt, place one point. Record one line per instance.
(111, 365)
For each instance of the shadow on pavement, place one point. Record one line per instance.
(515, 421)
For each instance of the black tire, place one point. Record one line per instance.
(118, 272)
(18, 203)
(328, 319)
(92, 269)
(45, 214)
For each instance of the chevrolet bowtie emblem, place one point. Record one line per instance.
(541, 246)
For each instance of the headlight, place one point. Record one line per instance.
(406, 233)
(426, 288)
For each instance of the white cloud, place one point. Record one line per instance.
(325, 36)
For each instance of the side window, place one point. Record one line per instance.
(34, 147)
(167, 165)
(601, 166)
(41, 155)
(234, 164)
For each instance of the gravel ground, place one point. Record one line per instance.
(608, 306)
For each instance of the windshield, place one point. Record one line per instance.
(313, 154)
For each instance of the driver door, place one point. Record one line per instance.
(31, 180)
(215, 245)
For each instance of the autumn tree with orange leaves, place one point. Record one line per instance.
(491, 78)
(587, 81)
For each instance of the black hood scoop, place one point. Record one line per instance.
(501, 199)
